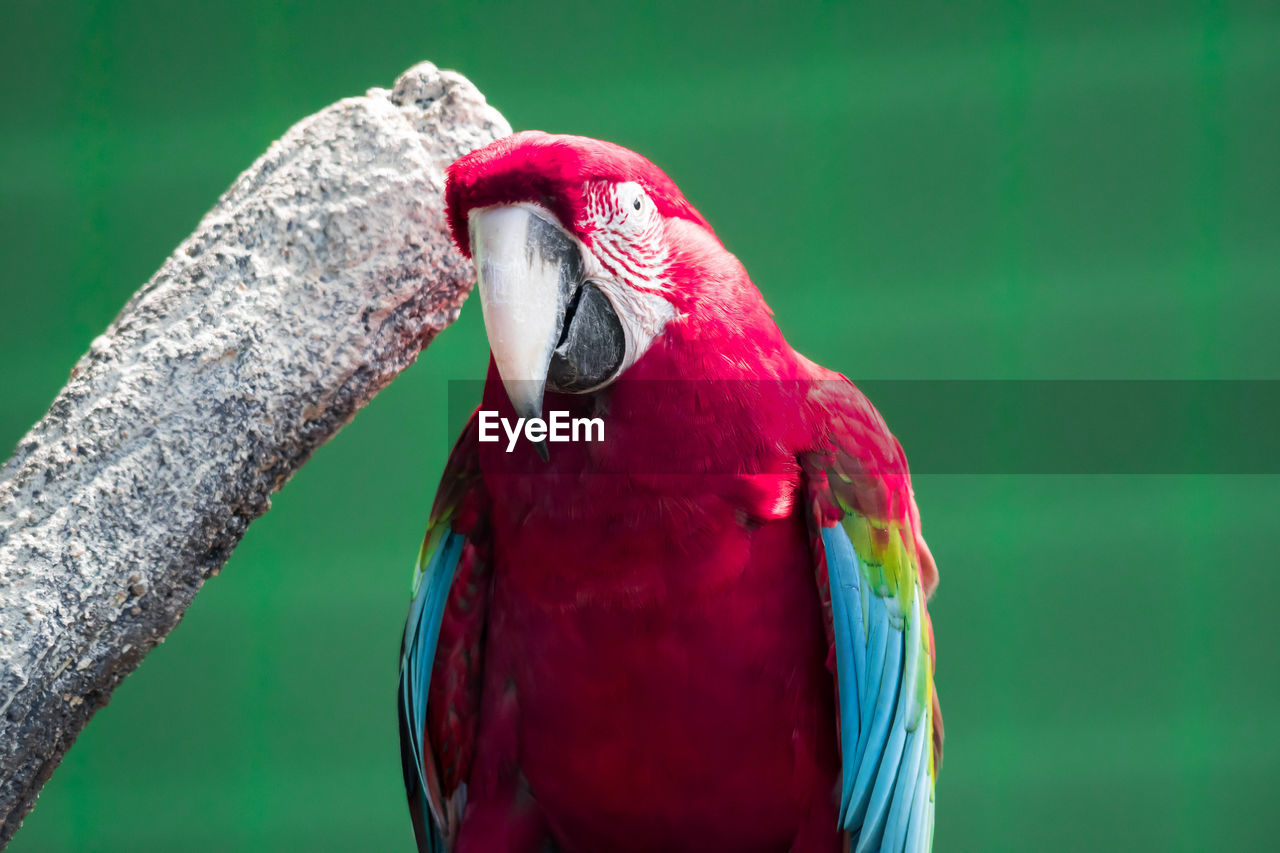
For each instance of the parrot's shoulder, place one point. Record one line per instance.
(856, 465)
(461, 485)
(848, 427)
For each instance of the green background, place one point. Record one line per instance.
(943, 191)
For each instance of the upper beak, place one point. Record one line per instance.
(528, 271)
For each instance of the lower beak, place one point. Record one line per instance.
(528, 271)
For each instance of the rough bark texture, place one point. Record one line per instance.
(315, 279)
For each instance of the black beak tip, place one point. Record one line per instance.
(541, 448)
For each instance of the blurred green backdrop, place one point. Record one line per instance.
(946, 190)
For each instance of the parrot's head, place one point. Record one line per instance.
(574, 242)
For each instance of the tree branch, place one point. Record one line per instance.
(316, 278)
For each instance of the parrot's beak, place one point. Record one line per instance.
(528, 270)
(540, 315)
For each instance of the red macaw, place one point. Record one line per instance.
(706, 631)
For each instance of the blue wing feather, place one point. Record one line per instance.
(846, 611)
(879, 725)
(904, 792)
(421, 632)
(887, 785)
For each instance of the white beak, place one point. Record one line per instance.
(528, 269)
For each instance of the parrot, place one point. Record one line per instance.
(703, 629)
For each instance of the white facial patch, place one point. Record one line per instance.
(626, 236)
(644, 314)
(628, 261)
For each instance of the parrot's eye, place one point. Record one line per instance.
(630, 195)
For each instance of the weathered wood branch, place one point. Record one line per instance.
(317, 277)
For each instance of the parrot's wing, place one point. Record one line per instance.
(442, 655)
(874, 575)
